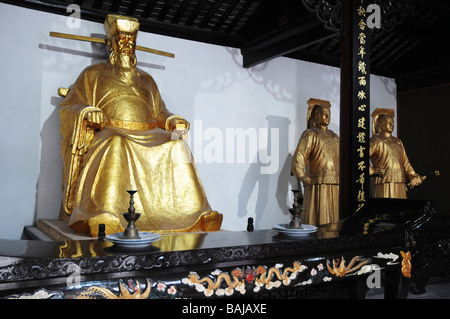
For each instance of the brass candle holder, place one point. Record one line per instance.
(131, 232)
(296, 210)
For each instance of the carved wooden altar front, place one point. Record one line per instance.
(259, 264)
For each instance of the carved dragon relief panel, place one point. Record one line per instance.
(207, 282)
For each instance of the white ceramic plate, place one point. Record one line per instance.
(145, 240)
(284, 230)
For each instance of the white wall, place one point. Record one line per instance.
(204, 83)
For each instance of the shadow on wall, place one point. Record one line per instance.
(278, 85)
(49, 184)
(50, 175)
(273, 182)
(276, 185)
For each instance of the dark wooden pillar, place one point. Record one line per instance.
(354, 108)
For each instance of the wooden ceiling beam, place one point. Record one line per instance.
(292, 39)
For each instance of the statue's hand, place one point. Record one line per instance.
(306, 180)
(95, 119)
(382, 171)
(416, 181)
(179, 126)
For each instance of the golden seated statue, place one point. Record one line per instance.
(117, 134)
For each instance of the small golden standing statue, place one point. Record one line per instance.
(316, 164)
(117, 134)
(389, 159)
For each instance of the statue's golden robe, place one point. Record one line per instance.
(133, 151)
(388, 156)
(317, 159)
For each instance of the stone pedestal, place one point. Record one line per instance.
(59, 230)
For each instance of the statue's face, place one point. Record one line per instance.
(124, 44)
(386, 123)
(322, 116)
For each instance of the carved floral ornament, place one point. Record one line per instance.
(392, 12)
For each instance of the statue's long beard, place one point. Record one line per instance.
(124, 66)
